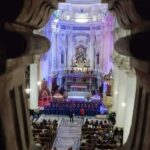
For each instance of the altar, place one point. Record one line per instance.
(80, 88)
(77, 95)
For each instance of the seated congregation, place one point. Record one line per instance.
(96, 134)
(100, 135)
(44, 133)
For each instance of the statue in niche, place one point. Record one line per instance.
(81, 56)
(80, 61)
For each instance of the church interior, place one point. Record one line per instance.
(74, 75)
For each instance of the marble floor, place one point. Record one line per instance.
(68, 134)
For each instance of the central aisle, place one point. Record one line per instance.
(68, 134)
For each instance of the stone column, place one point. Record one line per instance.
(130, 98)
(99, 82)
(53, 49)
(59, 80)
(115, 87)
(33, 87)
(136, 46)
(122, 87)
(40, 71)
(50, 82)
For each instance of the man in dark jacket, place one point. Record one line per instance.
(71, 115)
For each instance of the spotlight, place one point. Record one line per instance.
(123, 104)
(68, 17)
(27, 90)
(39, 83)
(81, 20)
(116, 92)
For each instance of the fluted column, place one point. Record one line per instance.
(123, 92)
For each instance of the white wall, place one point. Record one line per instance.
(33, 87)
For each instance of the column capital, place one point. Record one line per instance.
(122, 62)
(131, 73)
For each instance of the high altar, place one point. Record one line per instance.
(81, 46)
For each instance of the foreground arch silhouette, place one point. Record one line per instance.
(19, 44)
(134, 15)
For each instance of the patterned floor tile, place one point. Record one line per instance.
(67, 123)
(67, 142)
(68, 134)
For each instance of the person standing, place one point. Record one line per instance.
(71, 115)
(82, 113)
